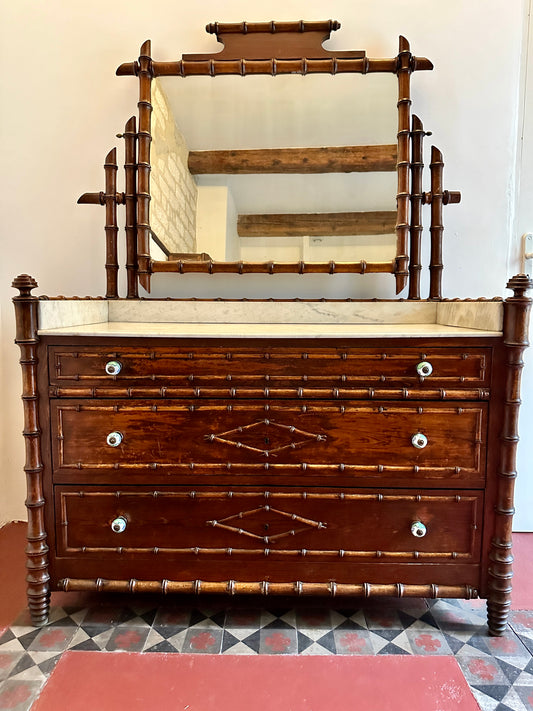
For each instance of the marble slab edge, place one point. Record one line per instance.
(273, 312)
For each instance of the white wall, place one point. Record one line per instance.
(62, 106)
(523, 520)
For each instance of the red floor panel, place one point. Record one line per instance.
(12, 571)
(204, 683)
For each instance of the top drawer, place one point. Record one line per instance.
(263, 366)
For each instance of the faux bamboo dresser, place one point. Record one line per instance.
(281, 446)
(306, 459)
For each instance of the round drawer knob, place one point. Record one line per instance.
(113, 439)
(418, 529)
(119, 524)
(113, 367)
(419, 440)
(424, 368)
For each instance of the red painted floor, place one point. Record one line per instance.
(204, 683)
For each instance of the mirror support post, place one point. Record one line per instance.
(404, 69)
(145, 74)
(417, 197)
(130, 169)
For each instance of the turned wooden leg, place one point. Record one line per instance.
(497, 614)
(39, 607)
(26, 314)
(500, 571)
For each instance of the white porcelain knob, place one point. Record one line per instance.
(418, 529)
(113, 367)
(119, 524)
(419, 440)
(424, 368)
(113, 439)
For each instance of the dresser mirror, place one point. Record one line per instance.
(274, 155)
(237, 214)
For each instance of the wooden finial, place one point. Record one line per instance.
(520, 283)
(24, 283)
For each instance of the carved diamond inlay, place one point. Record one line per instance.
(265, 524)
(255, 436)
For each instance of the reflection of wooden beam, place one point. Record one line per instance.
(320, 224)
(341, 159)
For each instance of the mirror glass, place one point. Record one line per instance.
(207, 214)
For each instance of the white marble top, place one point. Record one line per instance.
(216, 319)
(262, 330)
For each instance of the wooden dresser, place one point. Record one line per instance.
(348, 448)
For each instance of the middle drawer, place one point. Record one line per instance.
(350, 441)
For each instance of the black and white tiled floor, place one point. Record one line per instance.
(499, 670)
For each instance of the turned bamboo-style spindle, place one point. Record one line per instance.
(144, 71)
(38, 577)
(403, 71)
(437, 228)
(130, 170)
(111, 226)
(416, 227)
(500, 572)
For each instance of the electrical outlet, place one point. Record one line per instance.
(528, 245)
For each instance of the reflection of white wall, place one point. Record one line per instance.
(47, 163)
(172, 187)
(216, 224)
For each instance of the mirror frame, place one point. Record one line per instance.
(275, 48)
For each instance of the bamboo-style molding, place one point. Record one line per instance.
(332, 159)
(300, 267)
(270, 495)
(400, 556)
(26, 315)
(283, 469)
(130, 198)
(273, 27)
(405, 67)
(416, 228)
(322, 224)
(264, 587)
(199, 392)
(500, 572)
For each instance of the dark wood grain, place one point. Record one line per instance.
(334, 159)
(317, 224)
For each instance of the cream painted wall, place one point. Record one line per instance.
(62, 106)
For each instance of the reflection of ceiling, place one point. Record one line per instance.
(232, 112)
(284, 111)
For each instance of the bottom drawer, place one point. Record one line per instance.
(304, 529)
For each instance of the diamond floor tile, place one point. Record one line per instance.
(498, 669)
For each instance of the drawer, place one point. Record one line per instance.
(266, 367)
(396, 442)
(320, 525)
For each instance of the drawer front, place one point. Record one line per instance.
(320, 526)
(266, 367)
(404, 440)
